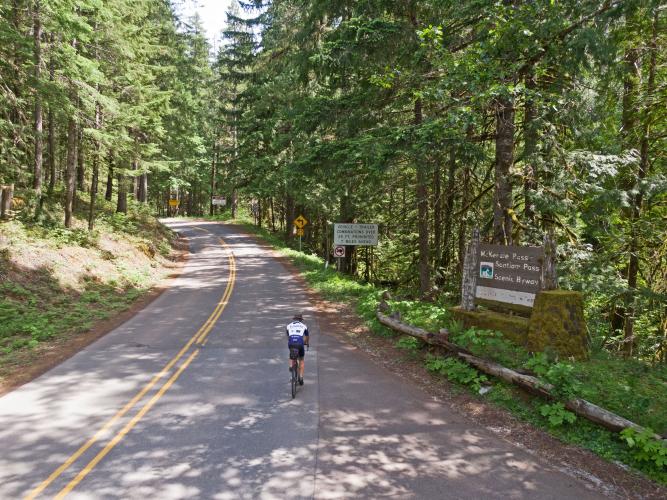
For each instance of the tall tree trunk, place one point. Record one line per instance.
(96, 173)
(212, 207)
(273, 216)
(437, 216)
(121, 204)
(530, 146)
(635, 214)
(37, 35)
(421, 188)
(289, 216)
(134, 180)
(465, 183)
(502, 199)
(52, 152)
(449, 207)
(142, 193)
(347, 214)
(80, 170)
(422, 213)
(108, 194)
(70, 176)
(52, 131)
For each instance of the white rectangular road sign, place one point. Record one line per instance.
(219, 200)
(356, 234)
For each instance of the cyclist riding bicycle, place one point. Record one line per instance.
(297, 337)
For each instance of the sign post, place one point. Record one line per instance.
(173, 205)
(299, 223)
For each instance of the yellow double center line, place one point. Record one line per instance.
(200, 338)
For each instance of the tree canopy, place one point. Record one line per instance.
(430, 118)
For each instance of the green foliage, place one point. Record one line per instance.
(409, 343)
(80, 237)
(538, 363)
(456, 371)
(557, 414)
(484, 342)
(430, 317)
(562, 377)
(646, 448)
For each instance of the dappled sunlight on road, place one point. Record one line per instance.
(228, 428)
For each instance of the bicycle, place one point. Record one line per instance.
(294, 355)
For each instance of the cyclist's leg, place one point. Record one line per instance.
(290, 360)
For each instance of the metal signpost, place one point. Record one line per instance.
(299, 223)
(173, 204)
(509, 274)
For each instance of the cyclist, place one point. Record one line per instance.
(297, 336)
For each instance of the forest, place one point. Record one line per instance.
(430, 118)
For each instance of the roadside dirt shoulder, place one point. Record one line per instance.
(608, 478)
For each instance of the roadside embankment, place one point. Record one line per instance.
(61, 289)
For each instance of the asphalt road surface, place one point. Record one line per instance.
(190, 399)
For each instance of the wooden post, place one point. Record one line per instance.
(6, 195)
(469, 280)
(549, 276)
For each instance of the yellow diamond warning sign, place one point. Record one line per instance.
(300, 221)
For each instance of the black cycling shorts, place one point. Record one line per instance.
(301, 347)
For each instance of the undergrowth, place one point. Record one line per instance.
(37, 307)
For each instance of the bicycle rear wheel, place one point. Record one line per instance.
(295, 377)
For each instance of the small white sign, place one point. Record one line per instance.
(339, 251)
(356, 234)
(219, 200)
(501, 295)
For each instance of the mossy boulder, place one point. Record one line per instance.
(557, 323)
(514, 328)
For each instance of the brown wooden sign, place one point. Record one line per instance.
(510, 274)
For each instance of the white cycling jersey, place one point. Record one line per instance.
(296, 331)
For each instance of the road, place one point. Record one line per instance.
(190, 399)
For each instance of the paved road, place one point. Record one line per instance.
(190, 399)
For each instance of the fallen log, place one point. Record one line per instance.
(439, 339)
(532, 384)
